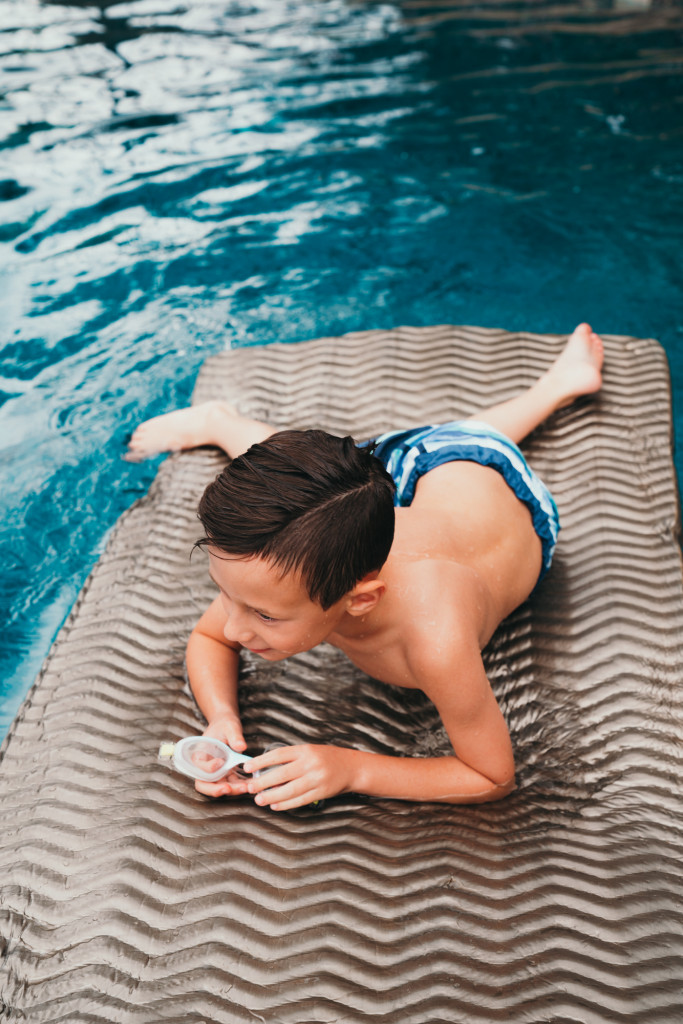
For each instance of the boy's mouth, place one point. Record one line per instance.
(269, 653)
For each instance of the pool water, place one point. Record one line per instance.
(184, 175)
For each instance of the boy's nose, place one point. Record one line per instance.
(237, 631)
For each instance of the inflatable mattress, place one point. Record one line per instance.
(129, 898)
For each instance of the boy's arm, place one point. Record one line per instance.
(481, 770)
(483, 767)
(212, 668)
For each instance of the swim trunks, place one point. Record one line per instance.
(409, 454)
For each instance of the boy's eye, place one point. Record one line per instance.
(265, 618)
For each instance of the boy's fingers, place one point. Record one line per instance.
(285, 798)
(268, 780)
(237, 742)
(281, 755)
(221, 788)
(230, 734)
(277, 776)
(290, 805)
(277, 784)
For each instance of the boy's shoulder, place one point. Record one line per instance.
(439, 604)
(441, 621)
(429, 577)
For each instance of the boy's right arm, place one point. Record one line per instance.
(212, 667)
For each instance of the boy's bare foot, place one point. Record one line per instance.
(577, 370)
(175, 431)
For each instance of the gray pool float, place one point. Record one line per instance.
(128, 897)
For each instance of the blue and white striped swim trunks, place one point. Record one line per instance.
(409, 454)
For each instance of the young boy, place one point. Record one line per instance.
(305, 545)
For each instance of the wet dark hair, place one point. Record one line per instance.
(306, 501)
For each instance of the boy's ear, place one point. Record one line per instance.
(365, 596)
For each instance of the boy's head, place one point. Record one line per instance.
(308, 503)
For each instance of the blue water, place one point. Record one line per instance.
(179, 177)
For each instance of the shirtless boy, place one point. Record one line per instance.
(299, 536)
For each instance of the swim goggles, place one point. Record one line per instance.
(203, 758)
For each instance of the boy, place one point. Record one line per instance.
(305, 545)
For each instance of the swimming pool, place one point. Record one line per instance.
(179, 177)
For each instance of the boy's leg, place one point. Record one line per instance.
(575, 372)
(215, 423)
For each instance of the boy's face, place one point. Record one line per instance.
(269, 614)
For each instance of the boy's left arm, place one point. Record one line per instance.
(482, 770)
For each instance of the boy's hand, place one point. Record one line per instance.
(231, 785)
(300, 775)
(228, 728)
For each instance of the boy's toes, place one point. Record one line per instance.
(133, 453)
(584, 331)
(136, 449)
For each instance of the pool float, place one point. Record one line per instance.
(128, 897)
